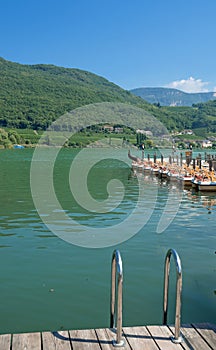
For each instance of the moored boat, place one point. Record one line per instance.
(194, 183)
(163, 171)
(140, 166)
(173, 174)
(155, 169)
(207, 185)
(185, 179)
(199, 178)
(147, 168)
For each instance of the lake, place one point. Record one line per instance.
(55, 260)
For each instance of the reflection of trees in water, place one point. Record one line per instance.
(215, 289)
(208, 201)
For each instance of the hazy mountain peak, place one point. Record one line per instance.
(172, 97)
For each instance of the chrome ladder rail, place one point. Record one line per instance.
(116, 267)
(177, 338)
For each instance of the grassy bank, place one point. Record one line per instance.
(30, 138)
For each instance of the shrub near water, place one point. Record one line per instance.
(8, 138)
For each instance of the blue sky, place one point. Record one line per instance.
(132, 43)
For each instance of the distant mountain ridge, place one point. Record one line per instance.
(172, 97)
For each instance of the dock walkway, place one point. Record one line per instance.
(196, 337)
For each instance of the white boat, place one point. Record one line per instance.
(147, 168)
(139, 166)
(155, 169)
(185, 179)
(163, 171)
(173, 175)
(137, 163)
(207, 185)
(195, 182)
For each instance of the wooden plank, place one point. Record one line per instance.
(84, 340)
(56, 340)
(208, 332)
(162, 335)
(193, 338)
(106, 337)
(27, 341)
(139, 338)
(5, 341)
(184, 343)
(196, 336)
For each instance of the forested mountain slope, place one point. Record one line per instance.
(33, 96)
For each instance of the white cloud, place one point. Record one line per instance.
(190, 85)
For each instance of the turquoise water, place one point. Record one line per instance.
(50, 284)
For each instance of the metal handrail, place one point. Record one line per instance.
(177, 338)
(116, 263)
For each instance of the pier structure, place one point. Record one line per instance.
(198, 173)
(149, 337)
(153, 337)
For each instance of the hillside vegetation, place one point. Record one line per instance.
(33, 96)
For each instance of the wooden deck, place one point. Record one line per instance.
(196, 337)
